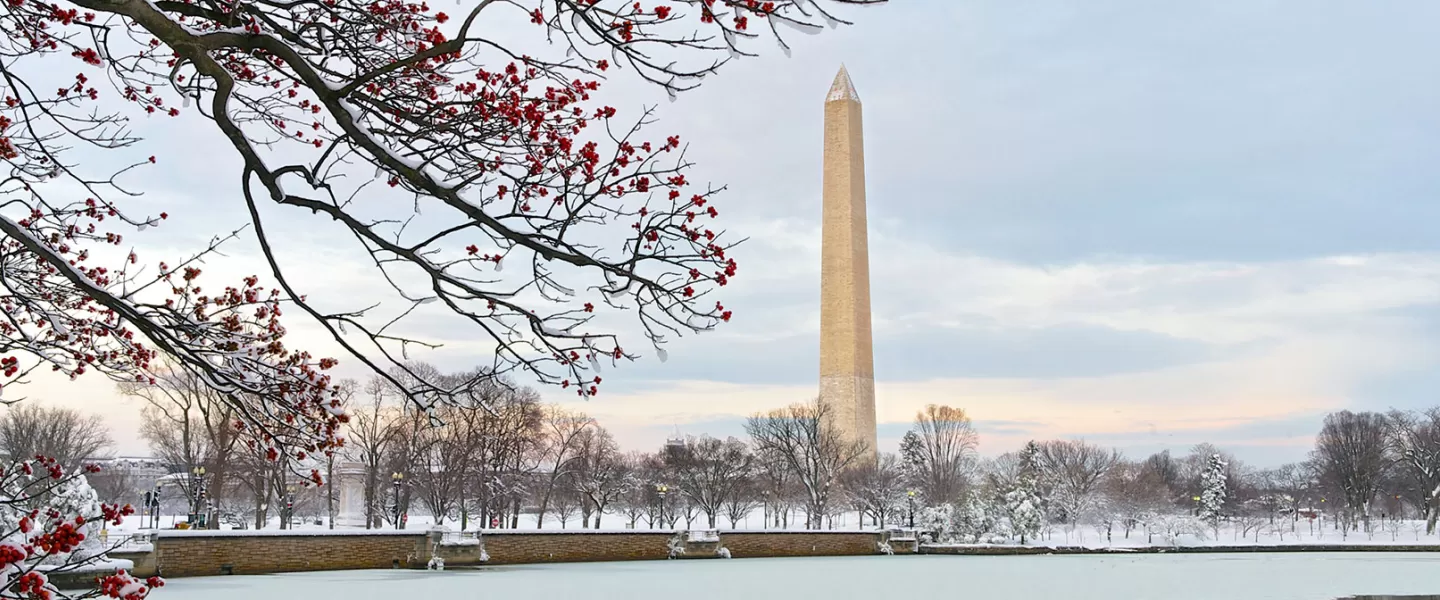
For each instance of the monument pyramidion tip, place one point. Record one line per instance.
(843, 88)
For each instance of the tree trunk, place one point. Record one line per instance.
(330, 491)
(259, 502)
(544, 505)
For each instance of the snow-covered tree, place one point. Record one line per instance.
(1213, 488)
(49, 520)
(801, 439)
(938, 521)
(974, 519)
(877, 489)
(707, 469)
(1023, 505)
(1414, 445)
(1074, 471)
(939, 452)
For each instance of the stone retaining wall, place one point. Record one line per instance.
(195, 553)
(518, 548)
(753, 544)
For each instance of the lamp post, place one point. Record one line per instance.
(396, 480)
(197, 487)
(155, 506)
(289, 506)
(765, 509)
(910, 496)
(660, 489)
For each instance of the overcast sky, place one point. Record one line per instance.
(1148, 226)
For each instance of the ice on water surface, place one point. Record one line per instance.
(1300, 576)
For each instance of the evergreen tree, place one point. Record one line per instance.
(911, 455)
(1212, 491)
(975, 518)
(1022, 504)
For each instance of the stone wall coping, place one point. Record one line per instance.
(802, 531)
(185, 533)
(657, 532)
(100, 565)
(1000, 549)
(202, 533)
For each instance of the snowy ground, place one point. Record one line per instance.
(1157, 577)
(1281, 533)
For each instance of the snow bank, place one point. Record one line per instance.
(99, 565)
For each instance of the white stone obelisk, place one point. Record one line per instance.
(847, 364)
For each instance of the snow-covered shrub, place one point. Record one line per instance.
(937, 521)
(974, 520)
(1172, 529)
(48, 522)
(971, 522)
(676, 545)
(884, 548)
(437, 563)
(722, 552)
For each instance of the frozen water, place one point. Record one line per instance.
(1318, 576)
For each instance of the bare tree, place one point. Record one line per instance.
(708, 470)
(779, 487)
(802, 439)
(505, 436)
(1133, 494)
(562, 430)
(1350, 458)
(944, 452)
(372, 428)
(188, 424)
(115, 485)
(1295, 484)
(743, 497)
(1074, 471)
(601, 474)
(64, 435)
(440, 460)
(876, 489)
(1414, 444)
(565, 503)
(1165, 469)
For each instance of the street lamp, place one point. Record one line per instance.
(197, 485)
(155, 506)
(910, 496)
(660, 489)
(289, 506)
(397, 479)
(765, 510)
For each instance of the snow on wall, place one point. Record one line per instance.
(184, 533)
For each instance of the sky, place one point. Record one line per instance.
(1145, 226)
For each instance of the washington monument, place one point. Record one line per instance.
(847, 364)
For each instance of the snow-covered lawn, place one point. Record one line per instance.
(1157, 577)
